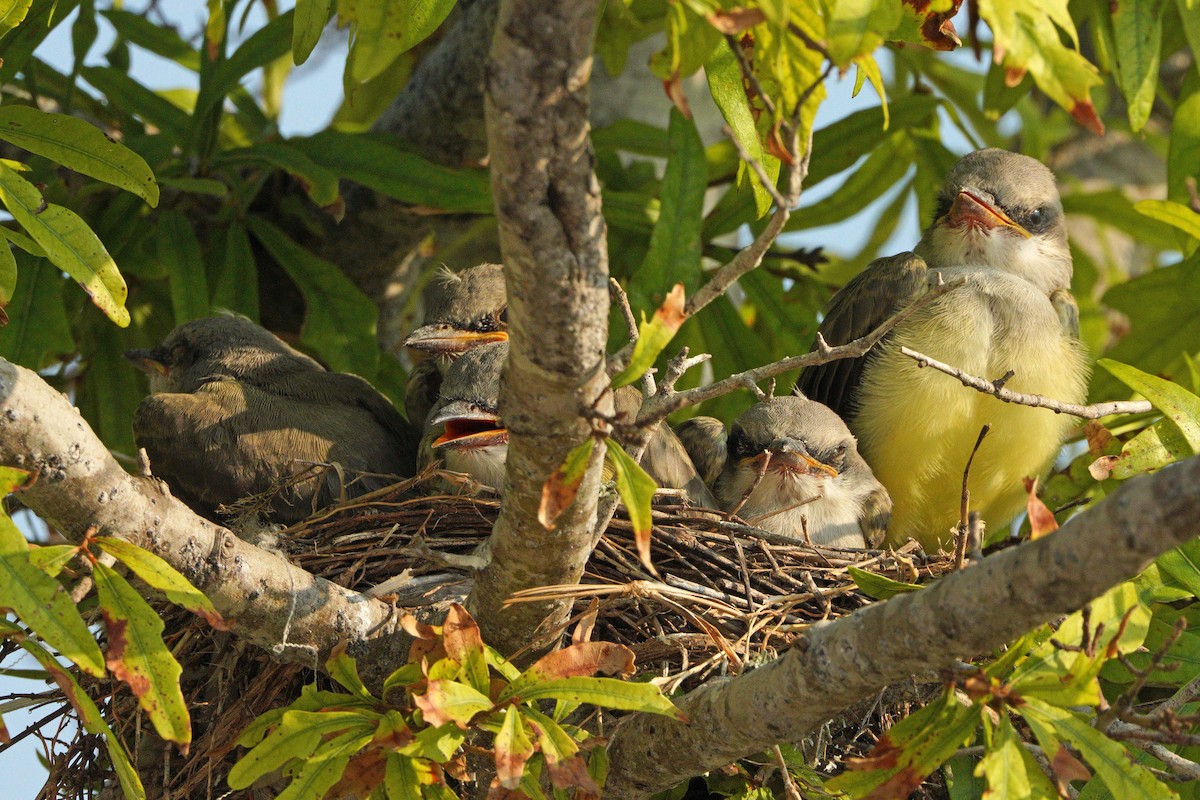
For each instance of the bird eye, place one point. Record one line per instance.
(739, 444)
(1037, 219)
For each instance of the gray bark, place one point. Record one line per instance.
(552, 235)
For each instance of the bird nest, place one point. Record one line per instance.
(727, 596)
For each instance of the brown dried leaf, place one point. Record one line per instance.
(1102, 468)
(571, 772)
(585, 659)
(587, 623)
(559, 490)
(674, 89)
(733, 21)
(460, 634)
(1098, 437)
(1041, 518)
(1067, 768)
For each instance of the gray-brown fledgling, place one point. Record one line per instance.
(464, 429)
(234, 411)
(463, 310)
(999, 226)
(794, 468)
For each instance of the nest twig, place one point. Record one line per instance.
(729, 596)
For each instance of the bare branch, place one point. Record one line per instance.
(963, 614)
(996, 389)
(660, 406)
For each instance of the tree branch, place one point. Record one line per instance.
(552, 235)
(271, 603)
(962, 615)
(996, 389)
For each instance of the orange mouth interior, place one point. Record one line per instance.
(462, 432)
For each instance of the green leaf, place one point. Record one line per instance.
(160, 575)
(653, 337)
(1183, 564)
(311, 18)
(400, 778)
(690, 42)
(131, 97)
(324, 768)
(42, 18)
(513, 748)
(383, 29)
(38, 600)
(1003, 766)
(837, 146)
(1179, 405)
(339, 321)
(879, 586)
(1137, 29)
(636, 489)
(1177, 215)
(318, 183)
(884, 168)
(89, 715)
(604, 692)
(343, 669)
(1112, 763)
(69, 243)
(1183, 153)
(137, 655)
(12, 12)
(268, 43)
(237, 275)
(725, 82)
(178, 250)
(80, 146)
(554, 742)
(8, 273)
(377, 163)
(158, 39)
(299, 734)
(436, 744)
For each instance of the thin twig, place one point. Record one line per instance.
(1095, 411)
(963, 533)
(659, 407)
(767, 183)
(748, 73)
(622, 300)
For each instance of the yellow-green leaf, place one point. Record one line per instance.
(80, 146)
(160, 575)
(138, 656)
(879, 586)
(89, 715)
(1027, 39)
(513, 748)
(400, 778)
(343, 669)
(1179, 405)
(50, 559)
(636, 489)
(40, 602)
(857, 27)
(298, 735)
(69, 243)
(384, 29)
(449, 701)
(323, 769)
(311, 17)
(555, 743)
(604, 692)
(8, 273)
(1003, 766)
(22, 241)
(653, 337)
(12, 12)
(931, 26)
(1177, 215)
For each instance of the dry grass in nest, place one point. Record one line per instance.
(727, 597)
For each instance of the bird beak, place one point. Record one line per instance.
(441, 339)
(468, 427)
(970, 208)
(148, 361)
(791, 455)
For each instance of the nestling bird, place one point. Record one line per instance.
(790, 465)
(234, 411)
(464, 429)
(468, 309)
(464, 310)
(999, 225)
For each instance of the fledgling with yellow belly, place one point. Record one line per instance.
(999, 231)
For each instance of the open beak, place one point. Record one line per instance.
(793, 461)
(970, 208)
(468, 427)
(441, 339)
(147, 361)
